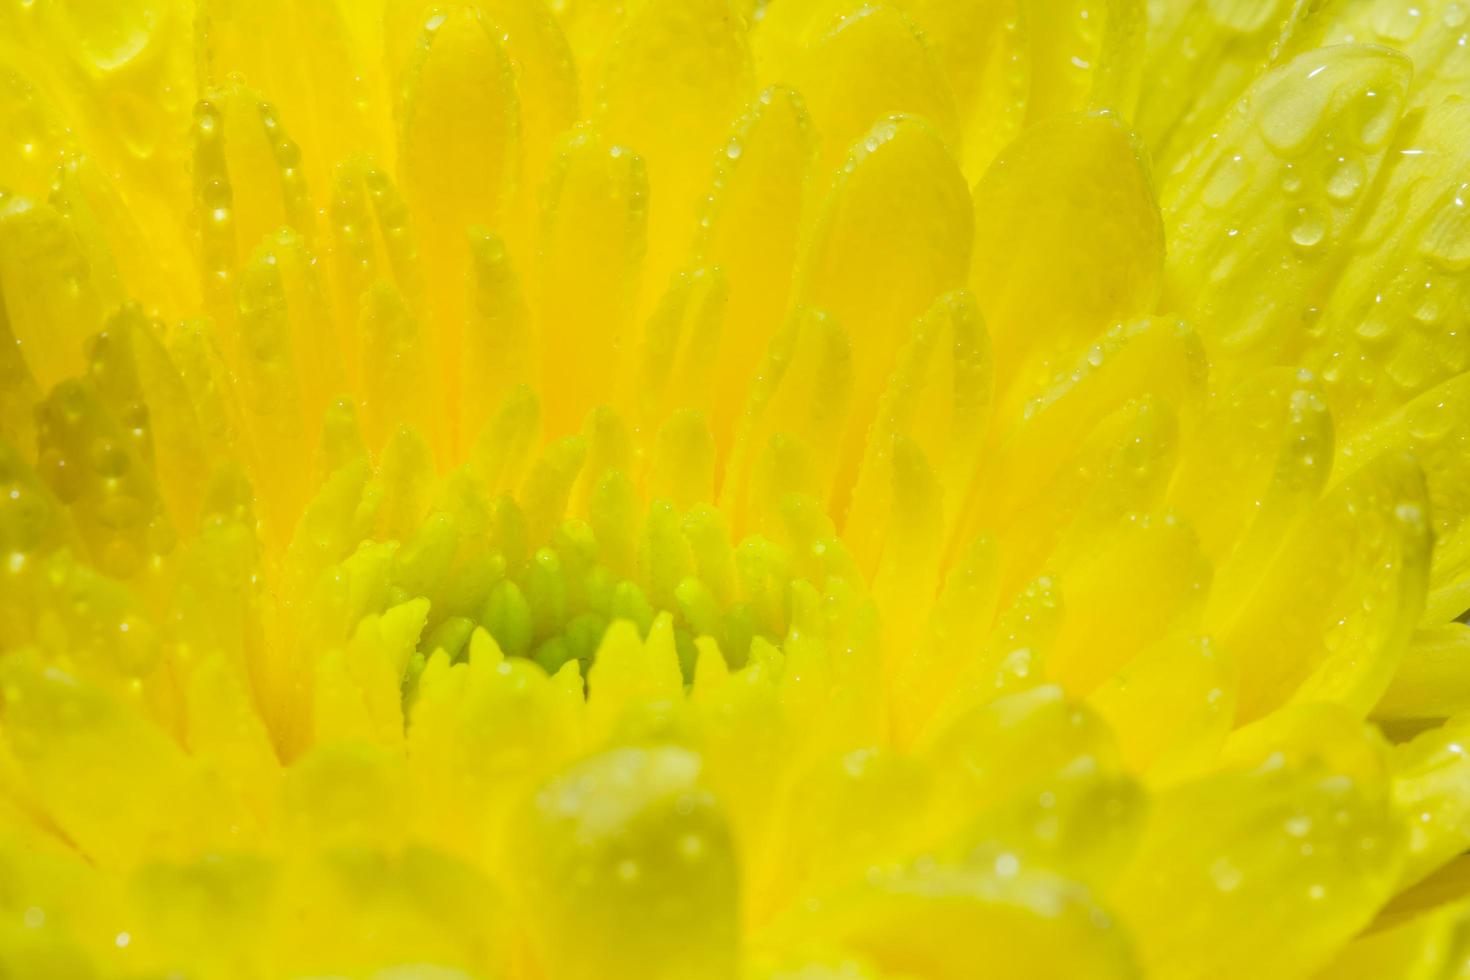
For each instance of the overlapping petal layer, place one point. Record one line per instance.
(758, 489)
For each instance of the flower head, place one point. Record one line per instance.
(734, 489)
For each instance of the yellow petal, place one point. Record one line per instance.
(1264, 872)
(749, 230)
(950, 924)
(1422, 948)
(984, 53)
(1083, 53)
(1287, 132)
(61, 302)
(592, 239)
(1428, 684)
(627, 861)
(1264, 449)
(1171, 707)
(1409, 268)
(1201, 56)
(1101, 236)
(1429, 427)
(1342, 595)
(1428, 787)
(874, 267)
(861, 65)
(939, 397)
(115, 784)
(675, 76)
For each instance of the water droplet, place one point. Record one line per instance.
(1224, 267)
(1226, 876)
(1308, 229)
(1293, 109)
(1345, 180)
(1372, 329)
(1377, 114)
(1446, 241)
(109, 459)
(1429, 309)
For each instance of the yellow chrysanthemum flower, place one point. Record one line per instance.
(734, 489)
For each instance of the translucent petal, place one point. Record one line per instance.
(628, 860)
(939, 397)
(396, 369)
(675, 75)
(1333, 611)
(1083, 53)
(1431, 34)
(1264, 871)
(593, 236)
(1430, 428)
(307, 55)
(113, 782)
(460, 127)
(953, 634)
(1422, 948)
(1286, 133)
(1171, 707)
(32, 521)
(1027, 236)
(998, 806)
(40, 134)
(1201, 56)
(982, 48)
(1150, 359)
(502, 722)
(373, 239)
(1261, 455)
(52, 298)
(749, 230)
(863, 65)
(681, 348)
(156, 397)
(1110, 618)
(876, 267)
(860, 810)
(18, 390)
(1429, 683)
(794, 420)
(1429, 782)
(629, 670)
(1390, 328)
(91, 464)
(355, 909)
(247, 184)
(948, 924)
